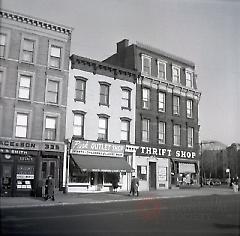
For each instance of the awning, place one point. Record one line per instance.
(187, 168)
(102, 164)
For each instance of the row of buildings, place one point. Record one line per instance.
(86, 122)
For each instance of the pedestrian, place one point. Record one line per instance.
(49, 188)
(134, 186)
(115, 181)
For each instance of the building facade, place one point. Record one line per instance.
(167, 127)
(34, 67)
(100, 126)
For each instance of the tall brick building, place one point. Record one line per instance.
(167, 127)
(34, 66)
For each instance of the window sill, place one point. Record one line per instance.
(78, 137)
(24, 100)
(102, 140)
(27, 62)
(79, 100)
(124, 142)
(126, 108)
(106, 105)
(52, 104)
(54, 68)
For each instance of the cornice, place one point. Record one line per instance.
(35, 22)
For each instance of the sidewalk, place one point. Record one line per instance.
(62, 199)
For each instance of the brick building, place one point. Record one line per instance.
(34, 67)
(167, 127)
(100, 125)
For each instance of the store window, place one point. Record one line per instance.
(50, 128)
(176, 105)
(80, 89)
(55, 57)
(104, 94)
(146, 65)
(142, 172)
(162, 70)
(126, 98)
(78, 125)
(190, 137)
(109, 177)
(103, 128)
(52, 95)
(21, 128)
(3, 44)
(189, 108)
(161, 101)
(145, 130)
(76, 175)
(145, 98)
(24, 88)
(161, 132)
(176, 74)
(176, 135)
(28, 50)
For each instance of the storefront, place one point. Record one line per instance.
(25, 165)
(163, 168)
(93, 166)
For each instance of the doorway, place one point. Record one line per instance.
(152, 175)
(6, 180)
(50, 166)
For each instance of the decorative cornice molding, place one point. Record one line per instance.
(35, 22)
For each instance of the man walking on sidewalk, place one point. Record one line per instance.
(134, 186)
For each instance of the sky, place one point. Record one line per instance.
(206, 32)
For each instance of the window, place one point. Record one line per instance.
(78, 125)
(146, 65)
(146, 98)
(161, 101)
(103, 128)
(142, 172)
(176, 105)
(176, 135)
(104, 94)
(1, 82)
(125, 130)
(28, 50)
(189, 79)
(189, 108)
(24, 88)
(161, 70)
(55, 57)
(3, 44)
(50, 128)
(176, 74)
(126, 98)
(190, 137)
(145, 130)
(161, 132)
(80, 89)
(21, 125)
(52, 92)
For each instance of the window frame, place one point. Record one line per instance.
(82, 114)
(176, 107)
(5, 32)
(189, 108)
(129, 92)
(59, 94)
(178, 68)
(60, 45)
(3, 71)
(56, 116)
(142, 177)
(189, 84)
(84, 81)
(147, 131)
(190, 137)
(128, 121)
(158, 67)
(106, 118)
(35, 48)
(147, 100)
(177, 136)
(162, 102)
(144, 56)
(106, 85)
(161, 133)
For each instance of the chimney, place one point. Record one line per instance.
(122, 45)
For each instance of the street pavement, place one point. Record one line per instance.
(108, 197)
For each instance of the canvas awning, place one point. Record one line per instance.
(101, 164)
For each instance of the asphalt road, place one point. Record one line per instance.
(208, 215)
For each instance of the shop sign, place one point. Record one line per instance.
(164, 152)
(162, 173)
(84, 147)
(23, 176)
(25, 158)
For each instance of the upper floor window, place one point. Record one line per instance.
(145, 98)
(189, 79)
(21, 127)
(176, 105)
(161, 101)
(161, 132)
(50, 132)
(146, 65)
(177, 135)
(28, 50)
(78, 125)
(126, 98)
(1, 82)
(125, 130)
(103, 128)
(176, 74)
(52, 95)
(24, 88)
(3, 44)
(104, 93)
(55, 57)
(162, 70)
(80, 89)
(190, 137)
(189, 108)
(145, 130)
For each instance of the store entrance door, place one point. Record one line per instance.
(152, 175)
(96, 180)
(6, 180)
(50, 166)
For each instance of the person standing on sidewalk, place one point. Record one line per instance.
(134, 186)
(49, 188)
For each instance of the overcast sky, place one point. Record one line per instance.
(206, 32)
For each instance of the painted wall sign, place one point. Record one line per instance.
(164, 152)
(84, 147)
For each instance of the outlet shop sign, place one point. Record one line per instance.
(164, 152)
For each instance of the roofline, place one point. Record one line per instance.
(16, 16)
(165, 54)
